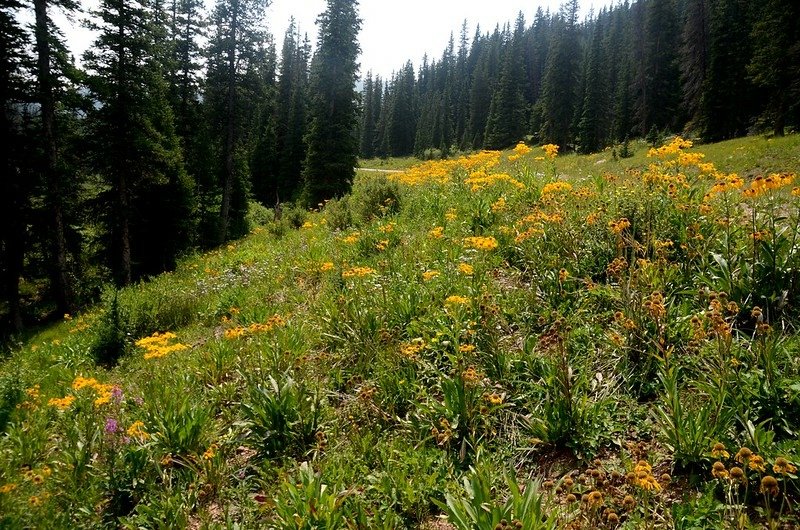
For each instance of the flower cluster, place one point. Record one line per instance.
(272, 323)
(519, 151)
(358, 272)
(158, 345)
(481, 242)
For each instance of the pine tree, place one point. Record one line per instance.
(559, 94)
(332, 147)
(47, 81)
(232, 50)
(695, 58)
(402, 122)
(135, 146)
(13, 189)
(368, 121)
(775, 65)
(659, 98)
(507, 118)
(590, 132)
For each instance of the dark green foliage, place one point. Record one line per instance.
(111, 338)
(559, 94)
(10, 395)
(775, 64)
(135, 147)
(374, 196)
(332, 147)
(507, 119)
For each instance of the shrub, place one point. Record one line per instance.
(374, 196)
(338, 214)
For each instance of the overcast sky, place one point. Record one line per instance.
(392, 31)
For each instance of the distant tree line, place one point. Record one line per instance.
(715, 69)
(159, 144)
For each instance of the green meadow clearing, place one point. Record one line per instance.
(504, 340)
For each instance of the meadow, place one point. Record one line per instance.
(503, 340)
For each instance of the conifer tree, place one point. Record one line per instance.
(695, 58)
(136, 149)
(559, 94)
(507, 119)
(13, 188)
(232, 51)
(660, 94)
(590, 132)
(775, 65)
(332, 147)
(368, 119)
(48, 48)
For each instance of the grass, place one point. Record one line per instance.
(505, 340)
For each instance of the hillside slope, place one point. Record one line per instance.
(559, 342)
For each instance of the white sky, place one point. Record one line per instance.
(392, 32)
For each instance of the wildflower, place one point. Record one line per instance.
(116, 393)
(783, 466)
(7, 488)
(553, 188)
(595, 498)
(519, 151)
(571, 498)
(210, 452)
(456, 300)
(382, 245)
(466, 348)
(550, 151)
(613, 518)
(737, 474)
(412, 348)
(429, 275)
(471, 376)
(563, 274)
(34, 500)
(358, 272)
(112, 426)
(718, 470)
(628, 502)
(450, 215)
(718, 451)
(466, 269)
(495, 399)
(61, 403)
(499, 205)
(769, 485)
(619, 226)
(481, 243)
(327, 266)
(437, 232)
(743, 455)
(756, 463)
(136, 430)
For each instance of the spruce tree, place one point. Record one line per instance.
(590, 134)
(332, 147)
(775, 65)
(507, 118)
(14, 191)
(136, 149)
(559, 93)
(232, 50)
(48, 47)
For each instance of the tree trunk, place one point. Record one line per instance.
(59, 270)
(227, 189)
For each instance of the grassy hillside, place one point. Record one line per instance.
(511, 340)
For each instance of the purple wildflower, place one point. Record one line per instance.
(112, 427)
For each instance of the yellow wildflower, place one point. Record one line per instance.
(358, 272)
(437, 232)
(429, 275)
(62, 403)
(466, 269)
(136, 430)
(481, 243)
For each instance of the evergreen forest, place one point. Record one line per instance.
(184, 126)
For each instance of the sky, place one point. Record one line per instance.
(393, 32)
